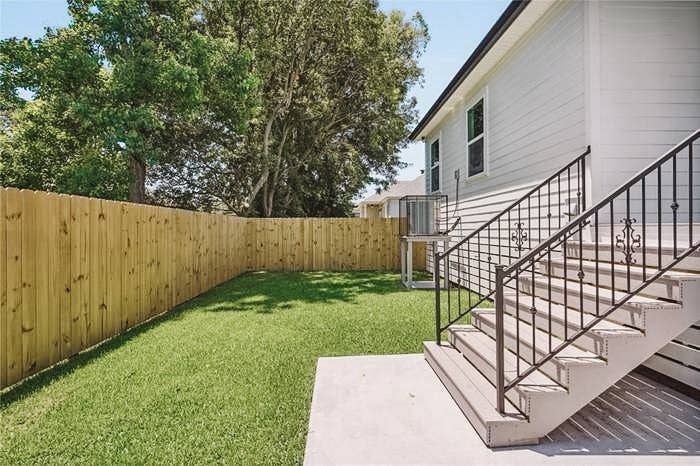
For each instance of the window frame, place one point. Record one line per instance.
(483, 96)
(437, 139)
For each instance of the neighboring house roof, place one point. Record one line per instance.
(398, 190)
(498, 31)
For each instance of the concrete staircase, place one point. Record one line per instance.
(537, 320)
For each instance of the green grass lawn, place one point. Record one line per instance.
(226, 377)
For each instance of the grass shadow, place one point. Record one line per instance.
(267, 292)
(260, 292)
(66, 367)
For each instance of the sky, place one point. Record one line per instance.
(456, 27)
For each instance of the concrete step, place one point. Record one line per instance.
(652, 250)
(595, 300)
(553, 317)
(520, 337)
(668, 286)
(476, 397)
(480, 350)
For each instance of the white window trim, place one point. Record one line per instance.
(438, 138)
(473, 101)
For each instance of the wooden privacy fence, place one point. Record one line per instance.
(75, 271)
(324, 244)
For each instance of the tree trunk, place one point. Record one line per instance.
(269, 201)
(137, 185)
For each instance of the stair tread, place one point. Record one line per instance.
(570, 354)
(606, 327)
(666, 248)
(605, 293)
(485, 346)
(472, 385)
(635, 270)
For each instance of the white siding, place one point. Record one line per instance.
(535, 116)
(649, 85)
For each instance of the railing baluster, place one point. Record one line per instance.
(628, 239)
(532, 311)
(658, 213)
(565, 290)
(690, 196)
(612, 249)
(674, 208)
(490, 280)
(559, 201)
(436, 269)
(469, 275)
(568, 192)
(500, 251)
(578, 189)
(508, 239)
(549, 209)
(448, 286)
(539, 217)
(518, 231)
(459, 281)
(517, 320)
(549, 296)
(529, 224)
(580, 272)
(583, 183)
(478, 262)
(500, 385)
(597, 266)
(644, 228)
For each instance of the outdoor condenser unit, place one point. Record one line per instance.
(422, 218)
(423, 215)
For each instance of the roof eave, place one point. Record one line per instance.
(502, 24)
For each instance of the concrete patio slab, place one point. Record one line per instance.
(394, 410)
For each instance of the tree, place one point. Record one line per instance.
(259, 107)
(335, 78)
(112, 87)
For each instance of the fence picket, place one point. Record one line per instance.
(29, 315)
(3, 290)
(13, 277)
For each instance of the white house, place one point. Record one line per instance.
(552, 80)
(385, 204)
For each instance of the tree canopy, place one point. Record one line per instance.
(257, 107)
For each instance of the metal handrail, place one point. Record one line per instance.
(627, 241)
(532, 191)
(463, 246)
(646, 171)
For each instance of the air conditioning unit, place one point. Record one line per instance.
(422, 215)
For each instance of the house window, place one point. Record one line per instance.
(475, 139)
(435, 166)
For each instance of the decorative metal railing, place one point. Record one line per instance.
(468, 267)
(632, 236)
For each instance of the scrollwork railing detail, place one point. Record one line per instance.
(628, 242)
